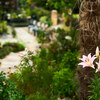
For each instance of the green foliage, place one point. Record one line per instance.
(4, 52)
(14, 47)
(37, 97)
(70, 60)
(50, 72)
(34, 78)
(40, 36)
(61, 44)
(38, 74)
(95, 88)
(39, 12)
(63, 83)
(3, 27)
(41, 3)
(61, 5)
(8, 89)
(10, 47)
(66, 44)
(43, 19)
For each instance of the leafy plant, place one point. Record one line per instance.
(34, 77)
(70, 60)
(63, 83)
(10, 47)
(14, 47)
(3, 27)
(8, 89)
(95, 88)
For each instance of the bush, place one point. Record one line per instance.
(10, 47)
(3, 27)
(4, 52)
(14, 47)
(35, 77)
(43, 19)
(39, 12)
(69, 60)
(63, 83)
(41, 36)
(8, 89)
(67, 43)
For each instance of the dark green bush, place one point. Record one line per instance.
(10, 47)
(4, 52)
(39, 12)
(8, 89)
(3, 27)
(63, 83)
(14, 47)
(69, 60)
(41, 35)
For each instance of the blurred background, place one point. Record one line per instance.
(39, 49)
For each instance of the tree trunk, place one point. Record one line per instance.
(89, 32)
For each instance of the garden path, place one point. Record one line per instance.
(27, 39)
(13, 59)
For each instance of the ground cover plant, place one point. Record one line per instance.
(8, 47)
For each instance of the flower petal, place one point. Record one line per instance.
(89, 55)
(83, 64)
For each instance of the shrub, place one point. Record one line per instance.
(36, 78)
(14, 47)
(63, 83)
(8, 89)
(4, 52)
(41, 35)
(69, 60)
(66, 43)
(43, 19)
(3, 27)
(39, 12)
(10, 47)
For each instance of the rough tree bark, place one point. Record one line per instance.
(89, 37)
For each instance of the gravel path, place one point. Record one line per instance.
(13, 59)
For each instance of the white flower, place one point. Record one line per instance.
(22, 62)
(68, 38)
(87, 61)
(26, 49)
(30, 62)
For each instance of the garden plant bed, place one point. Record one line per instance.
(10, 47)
